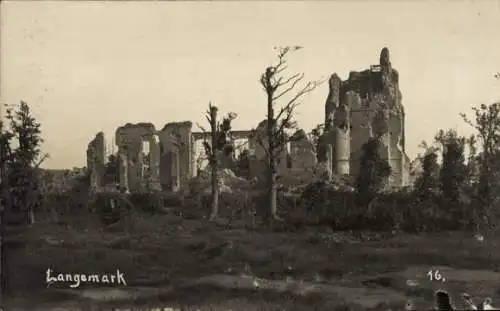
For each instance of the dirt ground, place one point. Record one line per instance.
(168, 261)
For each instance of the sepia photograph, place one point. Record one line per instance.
(250, 155)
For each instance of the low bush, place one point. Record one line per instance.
(153, 201)
(111, 206)
(321, 204)
(67, 202)
(231, 205)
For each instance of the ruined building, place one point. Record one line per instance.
(368, 104)
(165, 159)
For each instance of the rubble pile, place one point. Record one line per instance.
(228, 181)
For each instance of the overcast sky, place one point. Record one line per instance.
(89, 66)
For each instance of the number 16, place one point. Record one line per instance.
(434, 276)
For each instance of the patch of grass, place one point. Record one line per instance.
(161, 250)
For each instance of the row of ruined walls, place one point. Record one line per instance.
(169, 162)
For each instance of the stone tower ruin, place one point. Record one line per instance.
(368, 104)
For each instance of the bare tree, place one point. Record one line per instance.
(280, 116)
(220, 144)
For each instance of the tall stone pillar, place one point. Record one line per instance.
(193, 158)
(342, 152)
(176, 171)
(342, 140)
(331, 106)
(91, 167)
(332, 101)
(96, 155)
(134, 156)
(154, 165)
(123, 169)
(329, 162)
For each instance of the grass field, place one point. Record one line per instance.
(170, 261)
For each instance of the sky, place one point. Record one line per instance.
(86, 67)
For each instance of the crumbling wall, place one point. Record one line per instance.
(331, 105)
(342, 139)
(336, 137)
(332, 101)
(302, 152)
(397, 155)
(129, 139)
(154, 168)
(123, 169)
(258, 159)
(96, 160)
(323, 142)
(177, 155)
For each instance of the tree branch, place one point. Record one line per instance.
(309, 87)
(208, 119)
(298, 77)
(283, 68)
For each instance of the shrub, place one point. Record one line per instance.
(320, 203)
(111, 206)
(153, 201)
(232, 205)
(324, 205)
(67, 202)
(380, 218)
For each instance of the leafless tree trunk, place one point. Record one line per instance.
(272, 191)
(213, 163)
(221, 143)
(276, 86)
